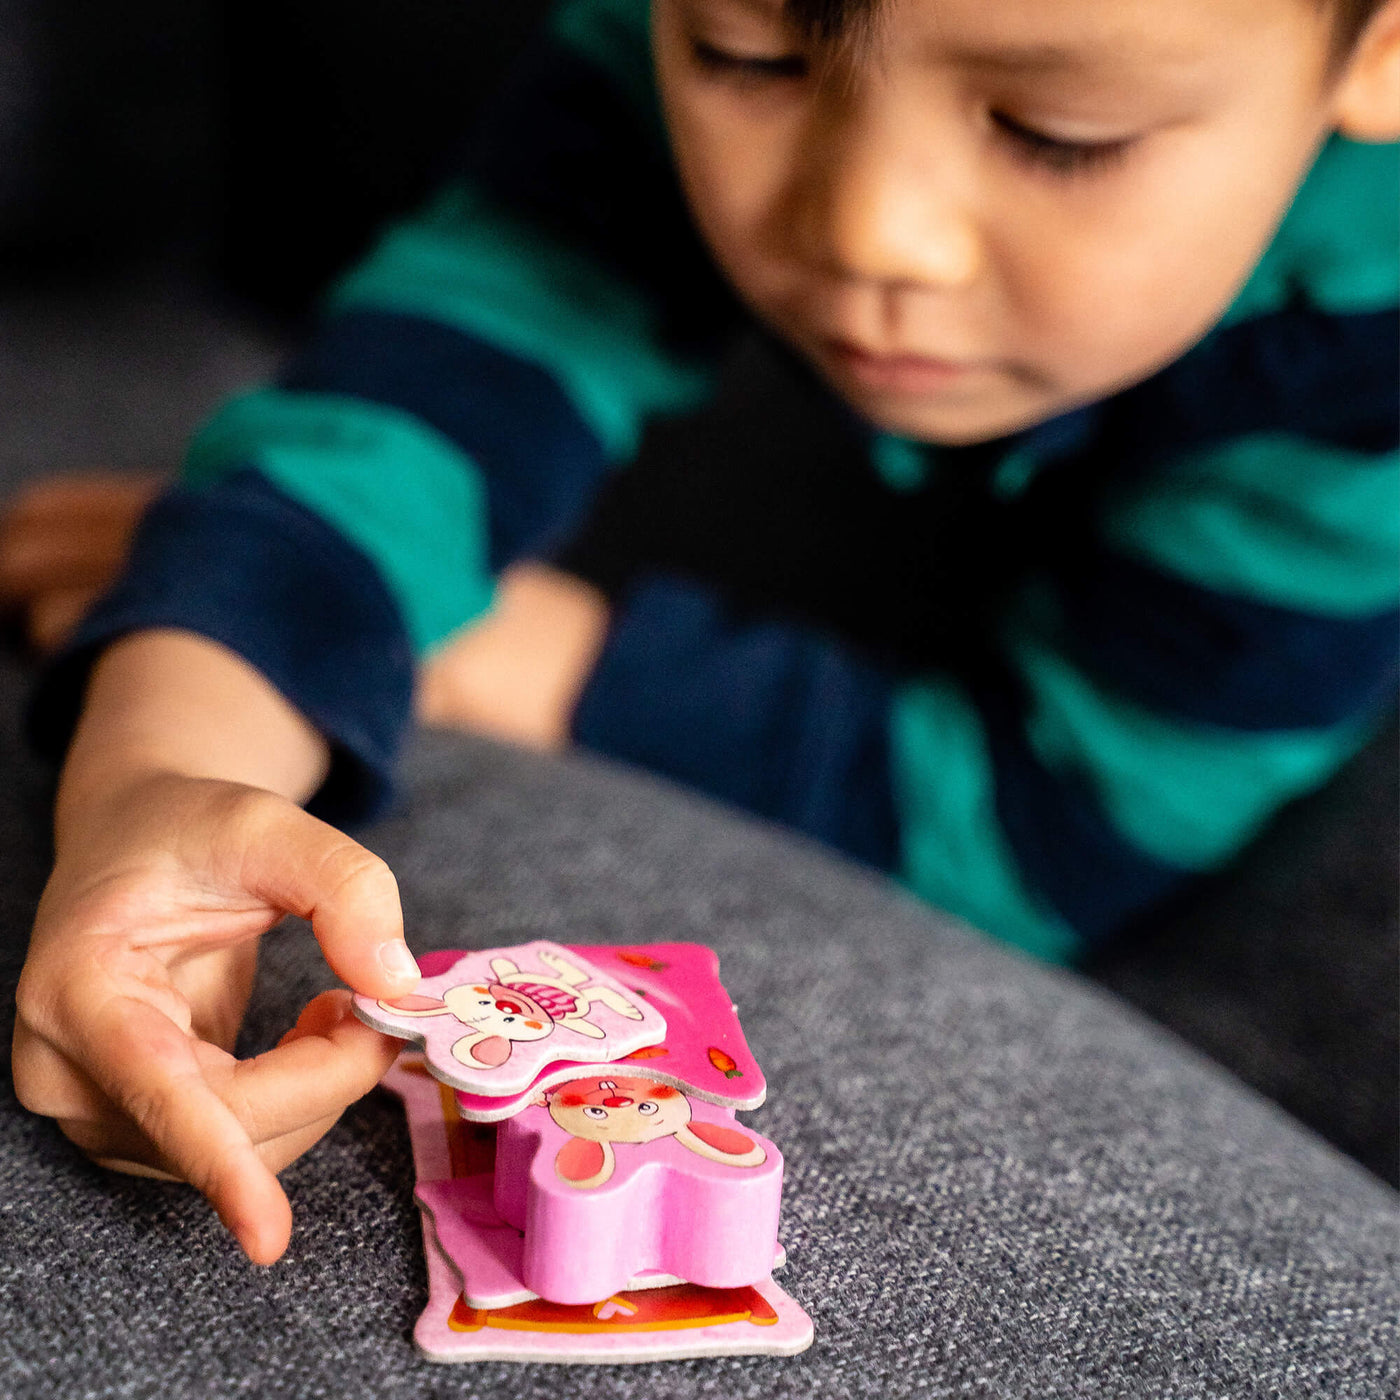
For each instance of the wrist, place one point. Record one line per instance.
(175, 705)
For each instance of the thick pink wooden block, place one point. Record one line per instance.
(616, 1174)
(486, 1251)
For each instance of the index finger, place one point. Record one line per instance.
(146, 1065)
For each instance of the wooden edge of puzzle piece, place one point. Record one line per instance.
(663, 1324)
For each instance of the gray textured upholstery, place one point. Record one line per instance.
(1000, 1181)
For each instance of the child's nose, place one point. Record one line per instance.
(880, 208)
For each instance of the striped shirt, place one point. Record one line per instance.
(1081, 665)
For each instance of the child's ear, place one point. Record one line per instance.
(1367, 100)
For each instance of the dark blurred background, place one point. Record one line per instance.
(178, 181)
(256, 142)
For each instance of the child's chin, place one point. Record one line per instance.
(945, 421)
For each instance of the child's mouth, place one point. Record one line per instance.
(899, 374)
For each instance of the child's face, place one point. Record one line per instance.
(998, 209)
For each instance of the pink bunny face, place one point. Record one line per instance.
(497, 1010)
(619, 1110)
(491, 1021)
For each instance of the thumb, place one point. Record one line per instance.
(347, 894)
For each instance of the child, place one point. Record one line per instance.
(1125, 417)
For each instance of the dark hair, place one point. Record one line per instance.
(825, 20)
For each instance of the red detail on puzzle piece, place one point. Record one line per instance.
(553, 1001)
(645, 960)
(681, 1305)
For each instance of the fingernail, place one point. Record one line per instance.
(398, 962)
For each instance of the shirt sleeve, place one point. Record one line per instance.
(468, 388)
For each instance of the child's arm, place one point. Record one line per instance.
(179, 841)
(477, 378)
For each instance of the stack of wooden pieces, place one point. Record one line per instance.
(588, 1193)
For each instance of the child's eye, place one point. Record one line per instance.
(1055, 154)
(744, 66)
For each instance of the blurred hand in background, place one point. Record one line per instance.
(62, 542)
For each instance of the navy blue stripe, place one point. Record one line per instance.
(541, 463)
(561, 146)
(1184, 650)
(1327, 377)
(1065, 846)
(774, 718)
(247, 566)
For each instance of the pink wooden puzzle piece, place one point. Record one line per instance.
(704, 1053)
(667, 1321)
(659, 1324)
(617, 1175)
(486, 1252)
(492, 1020)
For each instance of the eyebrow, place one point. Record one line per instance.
(1026, 58)
(1038, 58)
(771, 10)
(1090, 58)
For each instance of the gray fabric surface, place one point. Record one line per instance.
(1000, 1181)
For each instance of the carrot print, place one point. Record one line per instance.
(724, 1063)
(644, 961)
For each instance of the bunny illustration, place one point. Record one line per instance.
(517, 1006)
(601, 1112)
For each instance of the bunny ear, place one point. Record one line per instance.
(720, 1144)
(584, 1164)
(415, 1005)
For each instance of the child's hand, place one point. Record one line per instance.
(62, 542)
(139, 972)
(517, 672)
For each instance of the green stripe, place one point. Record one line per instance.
(954, 853)
(1339, 243)
(504, 282)
(1189, 794)
(406, 495)
(1276, 519)
(614, 35)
